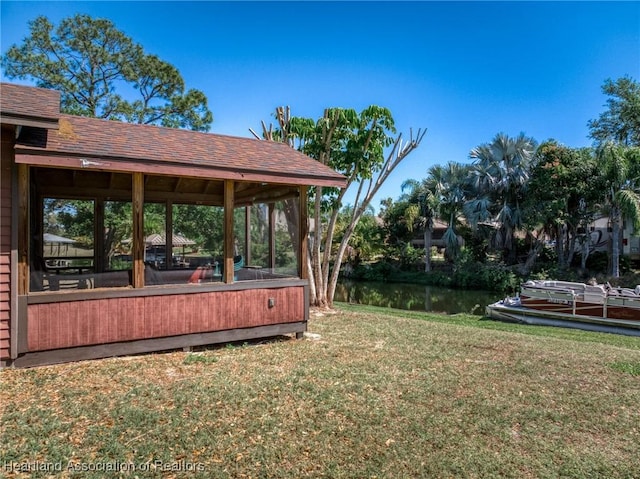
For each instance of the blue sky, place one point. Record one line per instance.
(463, 70)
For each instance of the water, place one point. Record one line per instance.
(415, 297)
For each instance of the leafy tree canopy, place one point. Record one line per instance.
(100, 72)
(354, 144)
(398, 217)
(564, 185)
(619, 165)
(620, 123)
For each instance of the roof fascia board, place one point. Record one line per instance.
(33, 158)
(23, 120)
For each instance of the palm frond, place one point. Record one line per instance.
(410, 184)
(477, 210)
(629, 203)
(505, 215)
(411, 214)
(450, 239)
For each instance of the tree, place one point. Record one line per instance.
(95, 66)
(362, 147)
(448, 185)
(202, 224)
(498, 180)
(562, 199)
(620, 168)
(367, 239)
(620, 123)
(71, 218)
(421, 212)
(396, 221)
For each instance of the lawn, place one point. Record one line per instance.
(375, 393)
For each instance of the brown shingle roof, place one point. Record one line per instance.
(24, 105)
(152, 149)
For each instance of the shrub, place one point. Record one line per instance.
(379, 271)
(468, 273)
(411, 257)
(548, 255)
(598, 261)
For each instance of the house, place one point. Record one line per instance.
(62, 172)
(600, 238)
(439, 228)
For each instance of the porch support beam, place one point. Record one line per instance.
(6, 158)
(99, 259)
(168, 234)
(138, 229)
(272, 236)
(247, 235)
(229, 186)
(303, 231)
(24, 238)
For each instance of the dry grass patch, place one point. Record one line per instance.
(376, 395)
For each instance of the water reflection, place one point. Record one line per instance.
(415, 297)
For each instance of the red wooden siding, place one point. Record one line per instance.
(90, 322)
(6, 155)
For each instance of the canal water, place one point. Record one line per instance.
(415, 297)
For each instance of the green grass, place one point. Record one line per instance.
(199, 358)
(382, 393)
(485, 323)
(627, 367)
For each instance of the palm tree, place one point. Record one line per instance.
(448, 185)
(421, 211)
(620, 167)
(498, 179)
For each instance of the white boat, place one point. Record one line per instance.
(578, 305)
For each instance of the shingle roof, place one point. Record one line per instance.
(153, 149)
(23, 105)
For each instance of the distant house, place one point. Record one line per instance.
(82, 301)
(631, 242)
(600, 237)
(439, 228)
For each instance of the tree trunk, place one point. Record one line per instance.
(333, 281)
(427, 249)
(615, 242)
(313, 296)
(571, 240)
(335, 273)
(509, 249)
(316, 263)
(558, 246)
(561, 246)
(533, 256)
(585, 251)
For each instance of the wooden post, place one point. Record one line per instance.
(247, 235)
(99, 260)
(303, 232)
(6, 158)
(36, 223)
(24, 238)
(229, 186)
(168, 234)
(272, 236)
(138, 229)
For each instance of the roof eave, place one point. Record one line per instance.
(44, 158)
(7, 118)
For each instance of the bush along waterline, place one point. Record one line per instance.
(468, 272)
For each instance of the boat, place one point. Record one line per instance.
(593, 307)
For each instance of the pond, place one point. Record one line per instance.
(415, 297)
